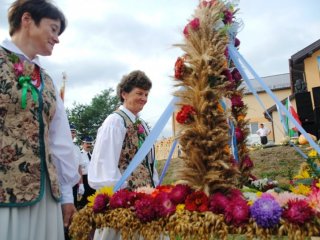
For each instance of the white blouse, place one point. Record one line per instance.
(103, 167)
(60, 140)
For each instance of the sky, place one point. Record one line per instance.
(106, 39)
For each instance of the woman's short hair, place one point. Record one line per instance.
(134, 79)
(38, 10)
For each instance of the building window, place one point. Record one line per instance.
(253, 127)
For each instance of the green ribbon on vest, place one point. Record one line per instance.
(25, 83)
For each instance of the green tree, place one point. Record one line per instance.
(88, 118)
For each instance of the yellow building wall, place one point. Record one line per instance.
(312, 72)
(163, 147)
(255, 111)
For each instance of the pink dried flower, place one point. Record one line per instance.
(314, 200)
(179, 193)
(100, 203)
(193, 25)
(298, 212)
(18, 68)
(218, 203)
(237, 212)
(163, 205)
(235, 194)
(284, 197)
(140, 129)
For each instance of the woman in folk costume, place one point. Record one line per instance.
(37, 165)
(121, 135)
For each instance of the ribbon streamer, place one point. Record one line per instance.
(25, 83)
(236, 57)
(166, 165)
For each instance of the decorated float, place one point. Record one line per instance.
(215, 198)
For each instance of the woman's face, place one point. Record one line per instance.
(135, 100)
(45, 36)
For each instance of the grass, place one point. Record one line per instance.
(279, 163)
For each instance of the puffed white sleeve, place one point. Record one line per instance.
(103, 168)
(62, 152)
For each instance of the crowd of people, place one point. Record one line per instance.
(44, 176)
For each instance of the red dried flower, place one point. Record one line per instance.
(193, 25)
(122, 199)
(179, 68)
(227, 74)
(298, 212)
(197, 201)
(162, 188)
(236, 75)
(236, 101)
(145, 209)
(236, 42)
(239, 134)
(184, 116)
(179, 193)
(228, 15)
(247, 163)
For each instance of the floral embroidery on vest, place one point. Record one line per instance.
(141, 176)
(24, 150)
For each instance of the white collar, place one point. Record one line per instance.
(9, 45)
(132, 117)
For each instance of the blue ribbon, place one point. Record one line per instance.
(166, 165)
(233, 140)
(235, 55)
(147, 144)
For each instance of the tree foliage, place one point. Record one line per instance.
(88, 118)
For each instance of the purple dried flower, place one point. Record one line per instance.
(266, 212)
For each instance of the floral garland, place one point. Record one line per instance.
(173, 206)
(24, 72)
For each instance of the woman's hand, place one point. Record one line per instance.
(68, 210)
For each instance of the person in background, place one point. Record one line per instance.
(121, 135)
(78, 189)
(37, 164)
(87, 143)
(263, 132)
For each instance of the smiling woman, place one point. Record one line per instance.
(37, 163)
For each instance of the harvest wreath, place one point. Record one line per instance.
(211, 200)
